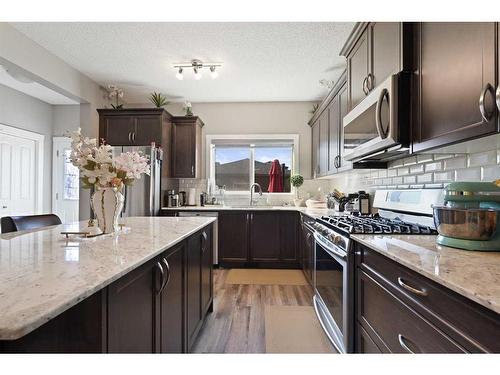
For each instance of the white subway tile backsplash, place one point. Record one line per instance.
(436, 166)
(483, 158)
(403, 186)
(392, 172)
(410, 179)
(396, 164)
(444, 176)
(418, 168)
(387, 181)
(397, 180)
(455, 163)
(425, 158)
(424, 178)
(403, 171)
(410, 161)
(382, 173)
(491, 173)
(469, 174)
(443, 156)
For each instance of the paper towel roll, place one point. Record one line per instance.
(192, 197)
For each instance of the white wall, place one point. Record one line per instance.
(25, 112)
(65, 118)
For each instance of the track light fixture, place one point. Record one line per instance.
(197, 66)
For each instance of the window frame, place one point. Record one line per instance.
(235, 139)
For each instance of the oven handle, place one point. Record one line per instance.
(330, 248)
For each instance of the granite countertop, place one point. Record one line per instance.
(43, 274)
(473, 274)
(313, 212)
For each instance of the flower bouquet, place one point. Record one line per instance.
(107, 174)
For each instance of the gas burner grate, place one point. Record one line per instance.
(374, 224)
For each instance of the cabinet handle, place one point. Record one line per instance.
(378, 114)
(204, 238)
(133, 137)
(402, 342)
(365, 90)
(167, 279)
(369, 82)
(497, 97)
(130, 136)
(485, 115)
(411, 289)
(192, 169)
(162, 273)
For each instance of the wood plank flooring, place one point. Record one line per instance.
(237, 324)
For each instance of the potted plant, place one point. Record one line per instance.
(188, 108)
(297, 180)
(115, 93)
(158, 99)
(107, 174)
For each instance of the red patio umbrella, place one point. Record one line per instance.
(275, 178)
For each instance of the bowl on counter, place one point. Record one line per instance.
(476, 224)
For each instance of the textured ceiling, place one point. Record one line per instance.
(261, 61)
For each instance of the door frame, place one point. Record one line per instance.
(55, 142)
(39, 147)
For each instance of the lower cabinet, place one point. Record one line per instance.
(400, 311)
(158, 307)
(266, 239)
(307, 247)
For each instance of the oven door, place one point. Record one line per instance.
(331, 291)
(376, 128)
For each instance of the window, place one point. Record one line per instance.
(70, 178)
(237, 164)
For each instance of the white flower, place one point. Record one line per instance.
(102, 155)
(133, 164)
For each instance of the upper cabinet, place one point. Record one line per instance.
(455, 81)
(186, 147)
(374, 51)
(133, 127)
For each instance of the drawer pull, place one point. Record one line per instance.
(402, 342)
(411, 289)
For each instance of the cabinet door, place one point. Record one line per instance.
(264, 236)
(342, 95)
(133, 311)
(172, 303)
(193, 292)
(357, 70)
(308, 253)
(183, 150)
(147, 130)
(117, 130)
(233, 237)
(385, 54)
(456, 63)
(289, 229)
(206, 269)
(315, 150)
(334, 132)
(323, 142)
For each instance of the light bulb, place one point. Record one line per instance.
(197, 74)
(179, 75)
(214, 74)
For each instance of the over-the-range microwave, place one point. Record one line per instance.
(378, 128)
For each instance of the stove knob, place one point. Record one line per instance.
(337, 239)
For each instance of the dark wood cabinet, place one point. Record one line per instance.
(385, 51)
(233, 238)
(343, 101)
(193, 296)
(455, 69)
(358, 67)
(264, 237)
(133, 305)
(324, 141)
(186, 147)
(258, 239)
(315, 169)
(393, 316)
(334, 135)
(206, 271)
(134, 127)
(307, 247)
(172, 303)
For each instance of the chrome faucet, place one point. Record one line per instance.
(251, 192)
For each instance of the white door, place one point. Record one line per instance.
(17, 176)
(65, 182)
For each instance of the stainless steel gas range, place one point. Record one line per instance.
(399, 212)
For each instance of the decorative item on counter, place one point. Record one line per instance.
(318, 201)
(107, 175)
(115, 93)
(158, 99)
(188, 109)
(470, 217)
(337, 200)
(297, 181)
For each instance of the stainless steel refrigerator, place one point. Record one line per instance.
(143, 197)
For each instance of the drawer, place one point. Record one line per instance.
(395, 325)
(470, 324)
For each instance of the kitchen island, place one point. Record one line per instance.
(111, 293)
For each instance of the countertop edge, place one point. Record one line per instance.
(15, 333)
(457, 289)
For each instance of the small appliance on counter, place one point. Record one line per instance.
(470, 217)
(358, 203)
(171, 198)
(336, 200)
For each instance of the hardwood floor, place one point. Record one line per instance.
(237, 324)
